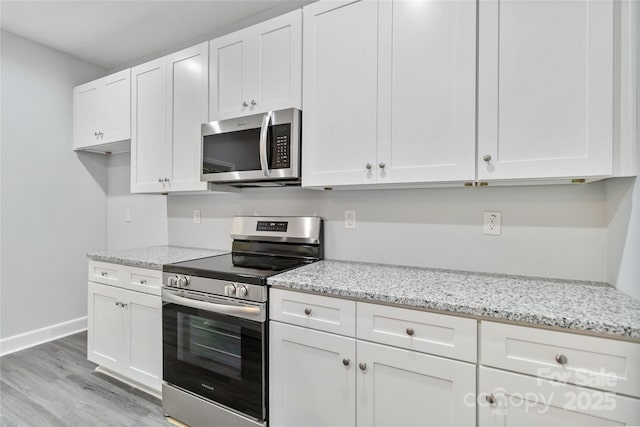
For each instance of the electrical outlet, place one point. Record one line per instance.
(196, 216)
(350, 219)
(127, 215)
(492, 223)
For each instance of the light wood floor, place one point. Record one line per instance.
(53, 384)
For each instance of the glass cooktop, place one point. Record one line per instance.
(244, 268)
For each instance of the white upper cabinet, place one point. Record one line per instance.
(102, 113)
(545, 94)
(257, 69)
(169, 104)
(389, 92)
(426, 103)
(187, 109)
(340, 93)
(149, 127)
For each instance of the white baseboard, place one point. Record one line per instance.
(39, 336)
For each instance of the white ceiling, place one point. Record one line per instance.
(118, 34)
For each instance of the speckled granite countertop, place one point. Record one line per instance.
(153, 257)
(582, 306)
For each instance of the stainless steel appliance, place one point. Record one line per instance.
(214, 314)
(258, 150)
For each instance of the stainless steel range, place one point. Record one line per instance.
(214, 314)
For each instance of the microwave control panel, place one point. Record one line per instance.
(280, 147)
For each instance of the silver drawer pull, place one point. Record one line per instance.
(103, 274)
(410, 331)
(307, 311)
(491, 399)
(561, 359)
(346, 362)
(362, 366)
(143, 282)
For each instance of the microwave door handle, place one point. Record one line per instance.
(231, 310)
(263, 142)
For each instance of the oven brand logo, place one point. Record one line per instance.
(208, 387)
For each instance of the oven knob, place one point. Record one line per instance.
(183, 282)
(230, 290)
(243, 291)
(173, 281)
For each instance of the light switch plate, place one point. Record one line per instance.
(127, 215)
(196, 216)
(350, 219)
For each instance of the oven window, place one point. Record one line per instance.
(212, 344)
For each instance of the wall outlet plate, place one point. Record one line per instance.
(492, 224)
(350, 219)
(196, 216)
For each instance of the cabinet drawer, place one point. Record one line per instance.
(439, 334)
(600, 363)
(147, 281)
(521, 400)
(313, 311)
(102, 272)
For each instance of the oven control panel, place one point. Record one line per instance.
(214, 287)
(272, 226)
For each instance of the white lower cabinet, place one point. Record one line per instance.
(510, 399)
(125, 333)
(312, 377)
(324, 379)
(398, 387)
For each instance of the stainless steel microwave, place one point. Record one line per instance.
(258, 149)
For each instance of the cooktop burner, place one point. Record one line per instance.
(237, 267)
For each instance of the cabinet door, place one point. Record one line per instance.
(149, 153)
(405, 388)
(545, 89)
(105, 329)
(117, 107)
(521, 400)
(427, 93)
(313, 377)
(277, 63)
(187, 109)
(229, 74)
(340, 93)
(88, 108)
(142, 338)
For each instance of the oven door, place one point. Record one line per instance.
(252, 148)
(215, 347)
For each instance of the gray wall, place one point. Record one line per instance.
(148, 225)
(53, 200)
(550, 231)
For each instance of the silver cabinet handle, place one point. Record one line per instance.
(253, 102)
(491, 399)
(346, 362)
(268, 117)
(362, 366)
(117, 302)
(160, 180)
(561, 359)
(96, 134)
(307, 311)
(244, 104)
(382, 165)
(410, 331)
(143, 282)
(166, 180)
(124, 305)
(103, 273)
(368, 166)
(487, 158)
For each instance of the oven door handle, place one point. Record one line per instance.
(251, 313)
(264, 162)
